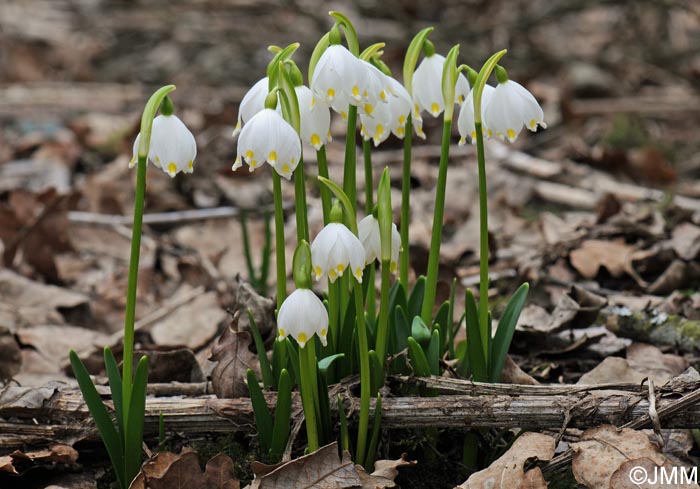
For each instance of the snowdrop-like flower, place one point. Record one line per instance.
(341, 79)
(267, 137)
(511, 106)
(368, 229)
(465, 122)
(315, 118)
(302, 315)
(427, 86)
(334, 250)
(252, 103)
(338, 73)
(172, 148)
(390, 117)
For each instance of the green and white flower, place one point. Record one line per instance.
(173, 147)
(336, 249)
(390, 117)
(427, 86)
(267, 137)
(465, 121)
(368, 229)
(301, 316)
(252, 103)
(510, 108)
(315, 118)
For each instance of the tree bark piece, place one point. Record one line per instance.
(58, 414)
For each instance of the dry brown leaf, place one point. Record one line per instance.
(234, 357)
(615, 256)
(602, 450)
(192, 325)
(18, 462)
(10, 357)
(167, 470)
(647, 475)
(606, 457)
(685, 240)
(508, 471)
(385, 471)
(26, 302)
(322, 469)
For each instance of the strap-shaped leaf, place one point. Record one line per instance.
(344, 434)
(375, 368)
(279, 359)
(475, 344)
(433, 352)
(506, 328)
(99, 414)
(442, 320)
(134, 424)
(397, 296)
(115, 386)
(293, 358)
(415, 301)
(420, 331)
(263, 419)
(418, 360)
(372, 450)
(283, 413)
(265, 368)
(325, 363)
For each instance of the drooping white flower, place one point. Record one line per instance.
(465, 121)
(427, 86)
(252, 103)
(390, 117)
(173, 147)
(315, 118)
(368, 229)
(338, 73)
(267, 137)
(511, 106)
(334, 250)
(341, 79)
(302, 315)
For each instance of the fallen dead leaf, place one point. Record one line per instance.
(605, 456)
(508, 471)
(644, 361)
(322, 469)
(167, 470)
(18, 462)
(192, 324)
(685, 240)
(385, 471)
(593, 254)
(26, 302)
(234, 357)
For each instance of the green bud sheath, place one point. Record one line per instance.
(411, 59)
(302, 266)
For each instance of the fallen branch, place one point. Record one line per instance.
(50, 414)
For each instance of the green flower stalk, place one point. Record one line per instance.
(361, 327)
(409, 66)
(303, 315)
(384, 214)
(449, 81)
(169, 145)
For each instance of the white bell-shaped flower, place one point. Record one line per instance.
(267, 137)
(338, 73)
(173, 147)
(390, 117)
(368, 229)
(336, 249)
(511, 106)
(252, 103)
(427, 86)
(465, 122)
(302, 315)
(315, 118)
